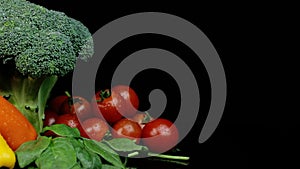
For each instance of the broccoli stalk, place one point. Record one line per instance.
(29, 95)
(37, 46)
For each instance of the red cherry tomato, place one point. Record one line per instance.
(50, 117)
(56, 103)
(95, 128)
(160, 135)
(130, 100)
(117, 103)
(71, 120)
(107, 106)
(77, 105)
(126, 128)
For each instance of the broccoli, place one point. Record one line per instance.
(37, 46)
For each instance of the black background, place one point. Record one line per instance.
(257, 129)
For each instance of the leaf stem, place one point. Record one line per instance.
(169, 156)
(125, 162)
(185, 163)
(133, 154)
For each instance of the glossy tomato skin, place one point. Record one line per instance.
(129, 98)
(160, 135)
(126, 128)
(50, 117)
(107, 107)
(76, 105)
(56, 103)
(119, 103)
(95, 128)
(71, 120)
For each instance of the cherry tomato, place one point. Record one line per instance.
(126, 128)
(49, 134)
(130, 100)
(107, 106)
(160, 135)
(71, 120)
(50, 117)
(56, 103)
(76, 105)
(95, 128)
(118, 102)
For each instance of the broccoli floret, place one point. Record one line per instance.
(34, 63)
(24, 24)
(37, 45)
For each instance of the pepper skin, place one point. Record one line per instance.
(7, 156)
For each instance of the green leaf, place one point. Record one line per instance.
(104, 151)
(30, 151)
(86, 159)
(76, 166)
(60, 154)
(43, 96)
(106, 166)
(96, 161)
(63, 130)
(124, 145)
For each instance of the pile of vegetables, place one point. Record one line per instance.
(38, 46)
(117, 108)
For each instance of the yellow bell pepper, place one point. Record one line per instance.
(7, 155)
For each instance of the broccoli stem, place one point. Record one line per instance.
(24, 92)
(24, 95)
(28, 95)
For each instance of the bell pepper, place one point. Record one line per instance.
(7, 155)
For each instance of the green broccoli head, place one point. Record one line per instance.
(59, 52)
(39, 41)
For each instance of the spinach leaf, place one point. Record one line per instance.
(106, 166)
(63, 130)
(30, 151)
(104, 151)
(95, 160)
(86, 159)
(124, 145)
(60, 154)
(76, 166)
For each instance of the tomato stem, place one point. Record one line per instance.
(147, 118)
(68, 94)
(105, 94)
(75, 100)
